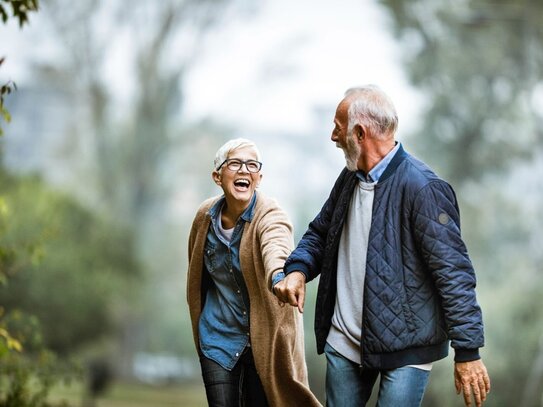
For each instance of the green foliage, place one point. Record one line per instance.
(63, 272)
(27, 381)
(76, 274)
(27, 378)
(19, 9)
(5, 89)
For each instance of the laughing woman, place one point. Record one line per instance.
(251, 349)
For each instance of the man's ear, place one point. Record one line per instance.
(360, 132)
(216, 177)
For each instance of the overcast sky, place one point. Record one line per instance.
(293, 56)
(267, 70)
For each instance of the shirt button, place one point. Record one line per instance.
(244, 313)
(239, 291)
(237, 354)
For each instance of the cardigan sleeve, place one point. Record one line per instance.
(276, 241)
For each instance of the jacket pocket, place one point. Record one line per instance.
(406, 307)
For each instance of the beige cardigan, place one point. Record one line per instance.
(277, 338)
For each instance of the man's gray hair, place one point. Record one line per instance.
(231, 145)
(373, 108)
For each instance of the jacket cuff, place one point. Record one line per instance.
(466, 355)
(297, 266)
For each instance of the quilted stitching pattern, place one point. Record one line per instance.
(419, 279)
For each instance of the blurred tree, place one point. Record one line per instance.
(131, 152)
(126, 147)
(83, 271)
(479, 64)
(479, 67)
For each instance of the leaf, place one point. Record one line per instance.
(5, 114)
(3, 14)
(14, 344)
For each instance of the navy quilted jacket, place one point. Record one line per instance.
(419, 288)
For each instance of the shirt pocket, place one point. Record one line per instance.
(210, 257)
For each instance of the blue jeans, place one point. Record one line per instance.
(347, 385)
(240, 386)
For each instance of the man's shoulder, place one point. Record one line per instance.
(418, 173)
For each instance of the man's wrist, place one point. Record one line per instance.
(299, 267)
(466, 355)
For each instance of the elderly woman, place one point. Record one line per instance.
(251, 349)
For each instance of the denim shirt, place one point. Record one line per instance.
(224, 322)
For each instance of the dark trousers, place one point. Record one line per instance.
(239, 387)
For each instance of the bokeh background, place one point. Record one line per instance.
(108, 146)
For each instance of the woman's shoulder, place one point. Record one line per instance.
(266, 203)
(269, 208)
(205, 206)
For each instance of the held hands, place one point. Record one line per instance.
(291, 290)
(470, 376)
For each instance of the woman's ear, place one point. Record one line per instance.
(216, 177)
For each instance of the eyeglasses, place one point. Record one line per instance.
(233, 164)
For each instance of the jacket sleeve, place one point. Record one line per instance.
(308, 255)
(437, 229)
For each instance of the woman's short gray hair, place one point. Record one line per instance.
(231, 145)
(372, 107)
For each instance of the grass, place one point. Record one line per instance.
(137, 395)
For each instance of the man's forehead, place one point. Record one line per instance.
(342, 109)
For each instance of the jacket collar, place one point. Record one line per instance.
(398, 158)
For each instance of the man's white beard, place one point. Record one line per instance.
(352, 152)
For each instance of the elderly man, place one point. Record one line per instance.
(396, 283)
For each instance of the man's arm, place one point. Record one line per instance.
(308, 255)
(437, 231)
(304, 263)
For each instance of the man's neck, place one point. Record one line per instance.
(374, 154)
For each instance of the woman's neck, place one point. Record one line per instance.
(231, 212)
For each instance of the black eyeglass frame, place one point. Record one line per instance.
(242, 162)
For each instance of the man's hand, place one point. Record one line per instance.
(470, 376)
(291, 290)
